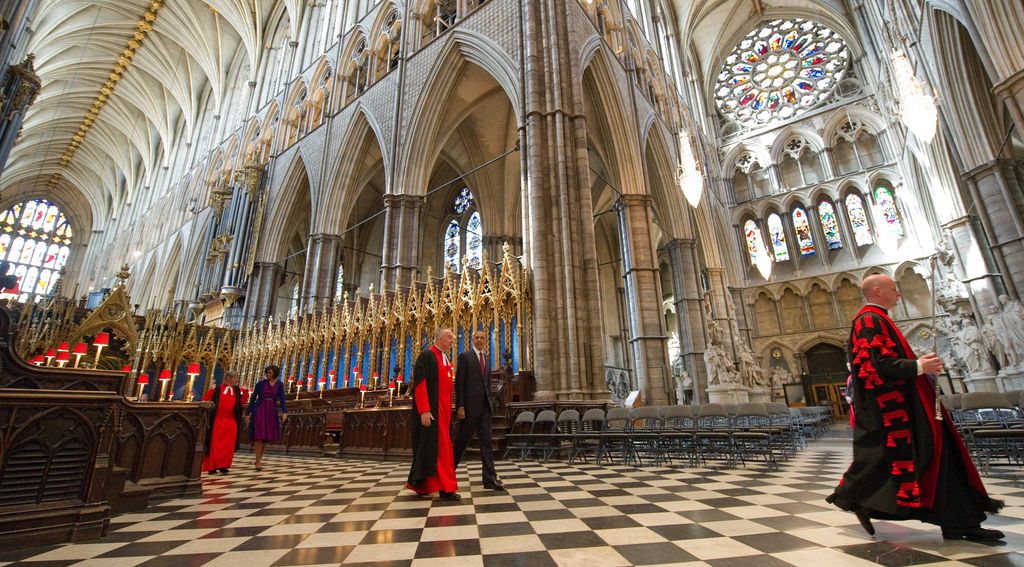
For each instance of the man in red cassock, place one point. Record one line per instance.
(907, 465)
(433, 463)
(225, 423)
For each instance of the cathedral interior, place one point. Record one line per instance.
(667, 201)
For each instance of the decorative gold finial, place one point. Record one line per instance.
(122, 276)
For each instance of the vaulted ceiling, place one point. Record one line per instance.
(151, 94)
(136, 106)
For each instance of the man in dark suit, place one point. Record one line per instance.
(472, 398)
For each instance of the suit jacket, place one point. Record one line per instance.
(473, 387)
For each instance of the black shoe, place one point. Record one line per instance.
(973, 534)
(865, 522)
(496, 485)
(224, 470)
(450, 496)
(214, 471)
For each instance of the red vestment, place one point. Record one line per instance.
(444, 478)
(225, 430)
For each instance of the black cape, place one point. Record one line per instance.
(424, 439)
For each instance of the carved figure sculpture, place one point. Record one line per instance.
(1012, 319)
(971, 346)
(993, 337)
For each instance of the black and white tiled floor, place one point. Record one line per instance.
(304, 511)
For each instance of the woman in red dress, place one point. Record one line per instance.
(225, 424)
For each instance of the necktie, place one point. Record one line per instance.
(481, 355)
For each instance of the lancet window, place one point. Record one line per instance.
(829, 225)
(777, 235)
(858, 220)
(464, 233)
(886, 204)
(802, 228)
(755, 242)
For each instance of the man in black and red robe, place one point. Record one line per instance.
(906, 464)
(433, 462)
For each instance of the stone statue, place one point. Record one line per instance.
(750, 373)
(1012, 319)
(971, 346)
(618, 385)
(993, 335)
(950, 291)
(780, 376)
(720, 369)
(684, 387)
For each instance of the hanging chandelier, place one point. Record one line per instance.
(918, 112)
(689, 175)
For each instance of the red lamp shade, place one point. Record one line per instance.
(102, 339)
(391, 385)
(355, 370)
(38, 360)
(309, 376)
(51, 353)
(193, 369)
(63, 356)
(128, 368)
(80, 348)
(362, 387)
(63, 347)
(165, 374)
(143, 379)
(376, 376)
(323, 380)
(291, 378)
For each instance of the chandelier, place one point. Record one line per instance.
(689, 175)
(918, 112)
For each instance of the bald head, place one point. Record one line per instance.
(880, 290)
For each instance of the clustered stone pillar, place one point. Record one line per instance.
(641, 274)
(682, 254)
(568, 346)
(401, 236)
(320, 277)
(263, 284)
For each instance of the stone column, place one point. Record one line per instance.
(640, 271)
(995, 189)
(400, 257)
(558, 215)
(689, 311)
(263, 282)
(998, 23)
(321, 268)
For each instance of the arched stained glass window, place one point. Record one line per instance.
(858, 220)
(452, 247)
(755, 243)
(886, 204)
(778, 237)
(35, 238)
(803, 232)
(465, 234)
(779, 70)
(830, 226)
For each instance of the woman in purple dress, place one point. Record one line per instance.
(263, 411)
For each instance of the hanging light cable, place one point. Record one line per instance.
(917, 109)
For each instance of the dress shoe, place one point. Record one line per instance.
(224, 470)
(974, 534)
(212, 471)
(450, 496)
(497, 485)
(865, 522)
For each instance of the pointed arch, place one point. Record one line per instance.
(295, 189)
(347, 179)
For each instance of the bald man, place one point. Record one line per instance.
(906, 464)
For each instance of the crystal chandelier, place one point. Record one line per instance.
(918, 110)
(689, 175)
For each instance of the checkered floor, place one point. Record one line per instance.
(305, 511)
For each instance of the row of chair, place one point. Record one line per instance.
(992, 425)
(733, 433)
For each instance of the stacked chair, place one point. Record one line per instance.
(992, 425)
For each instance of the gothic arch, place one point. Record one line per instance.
(362, 132)
(778, 148)
(462, 47)
(611, 120)
(295, 189)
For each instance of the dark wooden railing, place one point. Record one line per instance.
(73, 450)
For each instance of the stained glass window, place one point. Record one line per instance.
(452, 242)
(779, 70)
(886, 206)
(778, 236)
(465, 234)
(803, 232)
(463, 201)
(830, 226)
(474, 241)
(755, 244)
(35, 238)
(858, 220)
